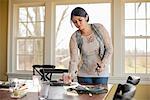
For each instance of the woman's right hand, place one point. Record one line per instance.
(67, 78)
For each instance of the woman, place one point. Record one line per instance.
(90, 50)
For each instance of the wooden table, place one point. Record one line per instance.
(5, 95)
(57, 92)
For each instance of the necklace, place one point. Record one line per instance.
(90, 38)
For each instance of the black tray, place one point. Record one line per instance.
(7, 84)
(87, 90)
(58, 83)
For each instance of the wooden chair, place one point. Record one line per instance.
(46, 71)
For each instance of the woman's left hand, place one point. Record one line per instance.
(100, 67)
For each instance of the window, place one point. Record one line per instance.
(29, 37)
(64, 27)
(137, 37)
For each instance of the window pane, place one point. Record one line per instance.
(129, 64)
(32, 14)
(29, 46)
(20, 46)
(140, 10)
(25, 62)
(31, 29)
(129, 11)
(148, 27)
(22, 14)
(22, 30)
(141, 46)
(141, 64)
(64, 29)
(41, 13)
(148, 64)
(140, 56)
(148, 46)
(39, 30)
(38, 47)
(129, 27)
(20, 62)
(130, 46)
(29, 52)
(35, 29)
(36, 14)
(129, 55)
(148, 55)
(104, 17)
(148, 10)
(140, 28)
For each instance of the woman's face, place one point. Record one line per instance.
(79, 22)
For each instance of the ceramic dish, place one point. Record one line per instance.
(20, 95)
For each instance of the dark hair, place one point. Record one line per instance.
(78, 11)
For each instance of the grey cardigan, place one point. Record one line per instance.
(84, 65)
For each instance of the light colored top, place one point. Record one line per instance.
(84, 65)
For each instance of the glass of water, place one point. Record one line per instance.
(44, 90)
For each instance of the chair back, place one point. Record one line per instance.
(40, 69)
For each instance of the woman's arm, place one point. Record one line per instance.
(108, 46)
(73, 64)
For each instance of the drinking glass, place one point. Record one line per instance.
(44, 90)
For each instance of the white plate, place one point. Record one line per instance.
(22, 94)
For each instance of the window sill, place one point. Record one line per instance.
(112, 79)
(20, 75)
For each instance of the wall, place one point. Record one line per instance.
(3, 38)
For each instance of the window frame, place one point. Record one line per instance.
(53, 4)
(12, 29)
(144, 76)
(106, 21)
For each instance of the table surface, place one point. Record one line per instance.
(56, 92)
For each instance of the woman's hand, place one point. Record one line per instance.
(67, 78)
(100, 68)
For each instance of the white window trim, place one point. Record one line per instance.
(117, 29)
(145, 78)
(12, 19)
